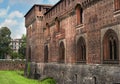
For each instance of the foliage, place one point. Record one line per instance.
(22, 49)
(15, 77)
(15, 55)
(28, 68)
(5, 40)
(48, 81)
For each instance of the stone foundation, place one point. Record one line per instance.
(79, 74)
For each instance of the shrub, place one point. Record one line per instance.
(48, 81)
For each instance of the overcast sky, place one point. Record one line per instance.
(12, 14)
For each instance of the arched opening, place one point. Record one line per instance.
(81, 50)
(117, 5)
(29, 54)
(75, 79)
(95, 80)
(46, 53)
(79, 14)
(110, 47)
(48, 29)
(61, 52)
(57, 23)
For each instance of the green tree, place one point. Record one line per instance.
(22, 49)
(5, 40)
(14, 55)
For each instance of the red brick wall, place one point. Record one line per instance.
(97, 15)
(12, 65)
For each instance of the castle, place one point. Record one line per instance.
(75, 41)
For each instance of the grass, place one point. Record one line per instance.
(15, 77)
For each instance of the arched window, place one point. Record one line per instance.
(48, 29)
(79, 14)
(57, 23)
(46, 53)
(81, 50)
(29, 54)
(117, 5)
(110, 47)
(61, 52)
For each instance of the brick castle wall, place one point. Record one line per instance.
(12, 65)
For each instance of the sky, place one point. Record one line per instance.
(12, 14)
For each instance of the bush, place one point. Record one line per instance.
(28, 68)
(48, 81)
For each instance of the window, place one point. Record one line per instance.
(110, 47)
(29, 54)
(79, 14)
(46, 52)
(39, 8)
(68, 2)
(81, 50)
(48, 29)
(47, 9)
(117, 5)
(65, 3)
(61, 52)
(57, 22)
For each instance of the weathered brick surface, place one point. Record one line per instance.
(12, 65)
(98, 17)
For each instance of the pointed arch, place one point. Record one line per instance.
(117, 5)
(79, 14)
(29, 54)
(110, 47)
(46, 54)
(57, 23)
(61, 52)
(81, 50)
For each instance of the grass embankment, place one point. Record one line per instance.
(15, 77)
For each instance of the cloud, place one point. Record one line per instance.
(52, 1)
(12, 2)
(15, 14)
(9, 23)
(1, 1)
(15, 19)
(17, 27)
(15, 22)
(32, 2)
(3, 12)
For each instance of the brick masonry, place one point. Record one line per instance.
(12, 65)
(59, 24)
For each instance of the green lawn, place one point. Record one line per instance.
(15, 77)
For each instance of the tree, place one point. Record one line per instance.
(22, 49)
(5, 40)
(14, 55)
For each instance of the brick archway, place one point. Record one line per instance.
(81, 50)
(110, 47)
(46, 53)
(61, 52)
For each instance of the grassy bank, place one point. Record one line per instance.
(15, 77)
